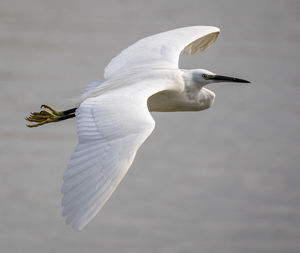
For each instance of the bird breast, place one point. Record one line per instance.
(187, 100)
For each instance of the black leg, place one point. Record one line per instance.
(66, 112)
(49, 115)
(68, 116)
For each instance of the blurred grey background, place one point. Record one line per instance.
(221, 180)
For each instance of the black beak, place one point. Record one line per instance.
(227, 79)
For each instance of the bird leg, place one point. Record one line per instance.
(49, 115)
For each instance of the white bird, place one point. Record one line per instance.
(113, 118)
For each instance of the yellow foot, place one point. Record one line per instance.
(45, 116)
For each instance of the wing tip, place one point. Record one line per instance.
(202, 43)
(79, 226)
(76, 223)
(208, 27)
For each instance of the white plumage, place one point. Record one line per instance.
(113, 115)
(110, 131)
(162, 50)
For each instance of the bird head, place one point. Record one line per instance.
(203, 77)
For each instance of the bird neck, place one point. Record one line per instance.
(191, 83)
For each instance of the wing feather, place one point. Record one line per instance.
(162, 50)
(111, 128)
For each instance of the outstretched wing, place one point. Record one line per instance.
(162, 50)
(111, 128)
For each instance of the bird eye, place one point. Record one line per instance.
(205, 76)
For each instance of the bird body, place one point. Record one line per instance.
(113, 115)
(168, 90)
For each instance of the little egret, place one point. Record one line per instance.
(113, 118)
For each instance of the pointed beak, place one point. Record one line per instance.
(227, 79)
